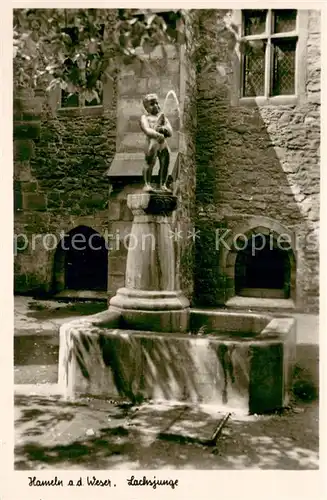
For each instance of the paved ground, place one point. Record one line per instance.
(36, 341)
(44, 316)
(97, 434)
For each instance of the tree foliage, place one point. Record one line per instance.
(78, 49)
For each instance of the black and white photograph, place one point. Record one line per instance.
(166, 189)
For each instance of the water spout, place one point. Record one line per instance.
(173, 94)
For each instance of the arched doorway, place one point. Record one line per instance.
(264, 273)
(247, 271)
(81, 261)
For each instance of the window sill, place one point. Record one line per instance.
(262, 293)
(259, 303)
(279, 100)
(84, 111)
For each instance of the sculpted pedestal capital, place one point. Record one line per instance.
(152, 203)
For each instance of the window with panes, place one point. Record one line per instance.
(269, 57)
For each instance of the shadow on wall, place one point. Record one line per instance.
(81, 261)
(238, 169)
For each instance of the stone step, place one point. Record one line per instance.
(96, 295)
(41, 375)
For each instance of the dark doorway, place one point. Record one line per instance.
(265, 274)
(86, 260)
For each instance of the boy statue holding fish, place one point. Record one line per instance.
(157, 128)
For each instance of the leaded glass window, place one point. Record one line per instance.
(268, 62)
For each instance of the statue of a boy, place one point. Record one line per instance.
(156, 127)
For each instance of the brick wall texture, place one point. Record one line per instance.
(237, 161)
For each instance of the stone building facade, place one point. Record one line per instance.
(245, 148)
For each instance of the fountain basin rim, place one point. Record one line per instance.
(223, 337)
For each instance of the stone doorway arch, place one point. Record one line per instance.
(81, 261)
(266, 273)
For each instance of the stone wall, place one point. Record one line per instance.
(60, 181)
(237, 163)
(61, 156)
(255, 160)
(184, 220)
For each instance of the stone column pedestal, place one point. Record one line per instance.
(151, 299)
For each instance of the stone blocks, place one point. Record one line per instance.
(260, 159)
(35, 201)
(228, 370)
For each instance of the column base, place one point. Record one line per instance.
(147, 310)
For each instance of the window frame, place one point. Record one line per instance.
(300, 33)
(100, 109)
(81, 103)
(82, 109)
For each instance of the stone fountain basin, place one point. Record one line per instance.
(238, 361)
